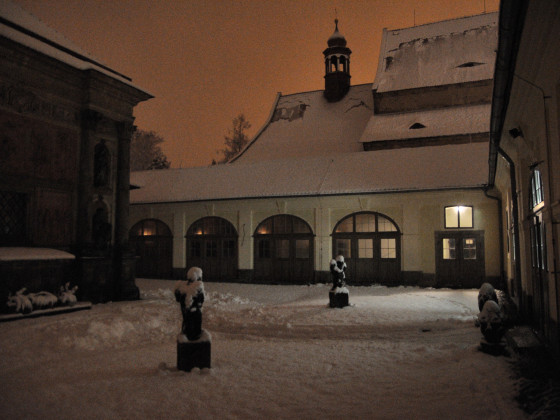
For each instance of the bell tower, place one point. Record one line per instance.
(337, 66)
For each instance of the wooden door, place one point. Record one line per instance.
(460, 259)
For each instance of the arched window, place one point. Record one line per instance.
(212, 246)
(153, 241)
(283, 250)
(370, 244)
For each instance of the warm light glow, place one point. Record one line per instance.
(148, 231)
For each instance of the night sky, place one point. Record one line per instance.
(206, 61)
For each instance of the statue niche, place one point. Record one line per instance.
(101, 165)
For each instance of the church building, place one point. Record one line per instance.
(66, 122)
(393, 175)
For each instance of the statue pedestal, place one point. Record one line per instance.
(338, 298)
(196, 353)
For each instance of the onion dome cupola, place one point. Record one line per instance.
(337, 66)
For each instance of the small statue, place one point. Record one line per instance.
(338, 267)
(190, 294)
(338, 295)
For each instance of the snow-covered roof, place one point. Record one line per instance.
(28, 254)
(458, 120)
(443, 167)
(447, 52)
(24, 28)
(306, 124)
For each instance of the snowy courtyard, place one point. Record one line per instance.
(278, 352)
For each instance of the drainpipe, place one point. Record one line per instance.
(501, 233)
(515, 216)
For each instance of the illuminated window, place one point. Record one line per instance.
(536, 189)
(385, 225)
(343, 246)
(469, 249)
(449, 249)
(365, 222)
(458, 217)
(347, 225)
(365, 248)
(389, 248)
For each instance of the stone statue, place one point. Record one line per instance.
(338, 268)
(338, 295)
(190, 294)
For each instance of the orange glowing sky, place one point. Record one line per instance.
(206, 61)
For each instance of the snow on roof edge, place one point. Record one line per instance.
(319, 194)
(24, 28)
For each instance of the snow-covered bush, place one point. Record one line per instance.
(486, 293)
(20, 302)
(491, 322)
(67, 295)
(43, 300)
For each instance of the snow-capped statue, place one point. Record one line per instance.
(338, 295)
(190, 294)
(338, 268)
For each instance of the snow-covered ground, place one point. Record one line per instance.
(278, 352)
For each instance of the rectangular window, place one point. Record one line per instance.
(211, 248)
(228, 248)
(342, 247)
(458, 217)
(469, 249)
(302, 248)
(283, 248)
(389, 248)
(365, 248)
(448, 248)
(195, 248)
(12, 218)
(264, 248)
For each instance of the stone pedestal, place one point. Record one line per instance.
(338, 298)
(196, 353)
(493, 348)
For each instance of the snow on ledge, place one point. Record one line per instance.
(29, 254)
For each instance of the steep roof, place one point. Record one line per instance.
(24, 28)
(440, 53)
(306, 124)
(442, 167)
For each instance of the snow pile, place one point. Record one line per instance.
(277, 352)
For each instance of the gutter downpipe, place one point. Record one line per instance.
(511, 20)
(515, 216)
(503, 276)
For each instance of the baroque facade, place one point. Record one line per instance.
(391, 174)
(66, 123)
